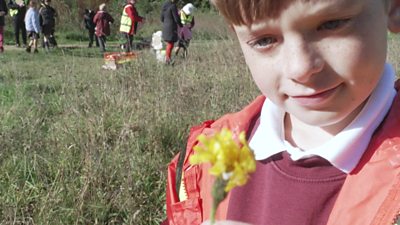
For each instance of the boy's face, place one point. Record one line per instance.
(319, 60)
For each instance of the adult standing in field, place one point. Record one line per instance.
(17, 12)
(185, 32)
(103, 19)
(171, 22)
(32, 25)
(3, 12)
(129, 23)
(90, 26)
(48, 23)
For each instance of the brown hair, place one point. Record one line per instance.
(245, 12)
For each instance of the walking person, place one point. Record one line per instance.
(102, 19)
(32, 25)
(48, 22)
(185, 32)
(129, 23)
(90, 26)
(171, 22)
(3, 12)
(17, 10)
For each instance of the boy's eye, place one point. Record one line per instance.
(333, 24)
(263, 42)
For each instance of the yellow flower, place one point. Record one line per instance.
(230, 160)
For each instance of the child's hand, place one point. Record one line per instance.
(224, 222)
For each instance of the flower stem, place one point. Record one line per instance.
(213, 211)
(218, 193)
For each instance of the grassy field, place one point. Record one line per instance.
(83, 145)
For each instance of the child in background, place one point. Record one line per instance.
(90, 26)
(3, 12)
(102, 19)
(32, 25)
(48, 23)
(185, 32)
(326, 129)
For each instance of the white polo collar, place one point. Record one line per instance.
(346, 148)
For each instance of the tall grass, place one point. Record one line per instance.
(82, 145)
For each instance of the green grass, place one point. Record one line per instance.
(84, 145)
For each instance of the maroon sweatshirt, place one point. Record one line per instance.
(287, 192)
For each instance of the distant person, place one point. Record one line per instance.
(90, 26)
(17, 10)
(102, 19)
(48, 23)
(3, 12)
(129, 23)
(185, 32)
(32, 25)
(171, 22)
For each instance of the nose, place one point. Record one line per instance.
(302, 60)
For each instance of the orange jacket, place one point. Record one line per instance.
(370, 194)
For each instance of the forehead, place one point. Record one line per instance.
(246, 12)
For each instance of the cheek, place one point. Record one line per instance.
(360, 57)
(366, 51)
(263, 73)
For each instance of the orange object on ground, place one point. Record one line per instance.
(112, 60)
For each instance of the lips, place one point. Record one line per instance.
(315, 100)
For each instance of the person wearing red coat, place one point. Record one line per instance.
(129, 23)
(102, 19)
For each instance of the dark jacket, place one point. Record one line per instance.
(171, 21)
(102, 20)
(3, 8)
(88, 19)
(47, 16)
(21, 10)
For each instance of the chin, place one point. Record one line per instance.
(328, 120)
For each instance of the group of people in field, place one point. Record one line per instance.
(177, 26)
(30, 19)
(98, 25)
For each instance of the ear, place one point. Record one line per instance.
(394, 16)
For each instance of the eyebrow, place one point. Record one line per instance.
(333, 7)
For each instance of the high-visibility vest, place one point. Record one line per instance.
(126, 22)
(13, 12)
(186, 19)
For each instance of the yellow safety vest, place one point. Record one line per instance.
(13, 12)
(126, 22)
(186, 19)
